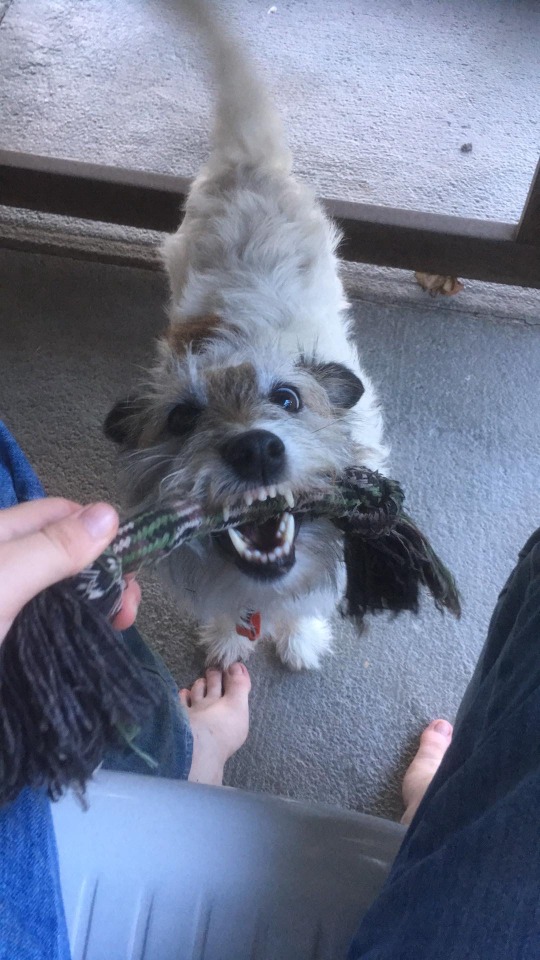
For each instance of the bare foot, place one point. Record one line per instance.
(434, 743)
(217, 707)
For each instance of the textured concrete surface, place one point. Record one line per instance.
(378, 95)
(462, 397)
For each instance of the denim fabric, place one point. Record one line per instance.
(166, 736)
(32, 925)
(466, 881)
(18, 482)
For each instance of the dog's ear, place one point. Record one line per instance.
(123, 424)
(343, 387)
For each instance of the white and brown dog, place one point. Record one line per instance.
(256, 389)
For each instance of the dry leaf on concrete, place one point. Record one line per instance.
(435, 284)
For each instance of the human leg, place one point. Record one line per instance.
(465, 881)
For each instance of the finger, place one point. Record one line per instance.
(59, 550)
(29, 517)
(131, 599)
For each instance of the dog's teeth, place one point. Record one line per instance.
(288, 536)
(282, 527)
(278, 552)
(248, 499)
(286, 549)
(262, 495)
(284, 490)
(237, 541)
(264, 558)
(289, 497)
(249, 554)
(272, 556)
(272, 492)
(256, 554)
(226, 514)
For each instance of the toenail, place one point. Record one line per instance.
(442, 726)
(235, 669)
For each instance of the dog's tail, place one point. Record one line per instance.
(247, 127)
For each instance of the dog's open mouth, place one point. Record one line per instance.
(262, 550)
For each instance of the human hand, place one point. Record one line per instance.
(44, 541)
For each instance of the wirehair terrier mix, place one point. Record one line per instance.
(256, 390)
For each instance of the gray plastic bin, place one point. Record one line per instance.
(159, 869)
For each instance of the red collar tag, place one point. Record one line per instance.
(250, 625)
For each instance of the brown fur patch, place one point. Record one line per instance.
(193, 332)
(233, 390)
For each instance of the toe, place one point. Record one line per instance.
(185, 697)
(434, 743)
(435, 740)
(198, 690)
(214, 684)
(236, 681)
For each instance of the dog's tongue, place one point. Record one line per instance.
(263, 536)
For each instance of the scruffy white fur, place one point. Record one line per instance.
(256, 251)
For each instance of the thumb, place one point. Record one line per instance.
(59, 550)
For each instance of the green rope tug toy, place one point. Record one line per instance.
(69, 688)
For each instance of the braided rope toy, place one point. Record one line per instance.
(68, 686)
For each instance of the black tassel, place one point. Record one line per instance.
(386, 572)
(68, 689)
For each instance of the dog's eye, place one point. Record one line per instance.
(182, 419)
(286, 397)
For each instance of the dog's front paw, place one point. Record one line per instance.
(223, 646)
(226, 660)
(302, 646)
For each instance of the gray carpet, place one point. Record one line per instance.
(462, 397)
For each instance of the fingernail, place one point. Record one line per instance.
(99, 519)
(442, 726)
(235, 669)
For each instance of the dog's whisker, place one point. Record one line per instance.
(167, 482)
(137, 457)
(325, 426)
(145, 463)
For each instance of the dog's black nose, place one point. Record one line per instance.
(257, 456)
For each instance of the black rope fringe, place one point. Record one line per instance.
(68, 689)
(387, 571)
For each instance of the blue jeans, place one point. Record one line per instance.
(466, 881)
(32, 925)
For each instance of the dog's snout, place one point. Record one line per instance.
(257, 456)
